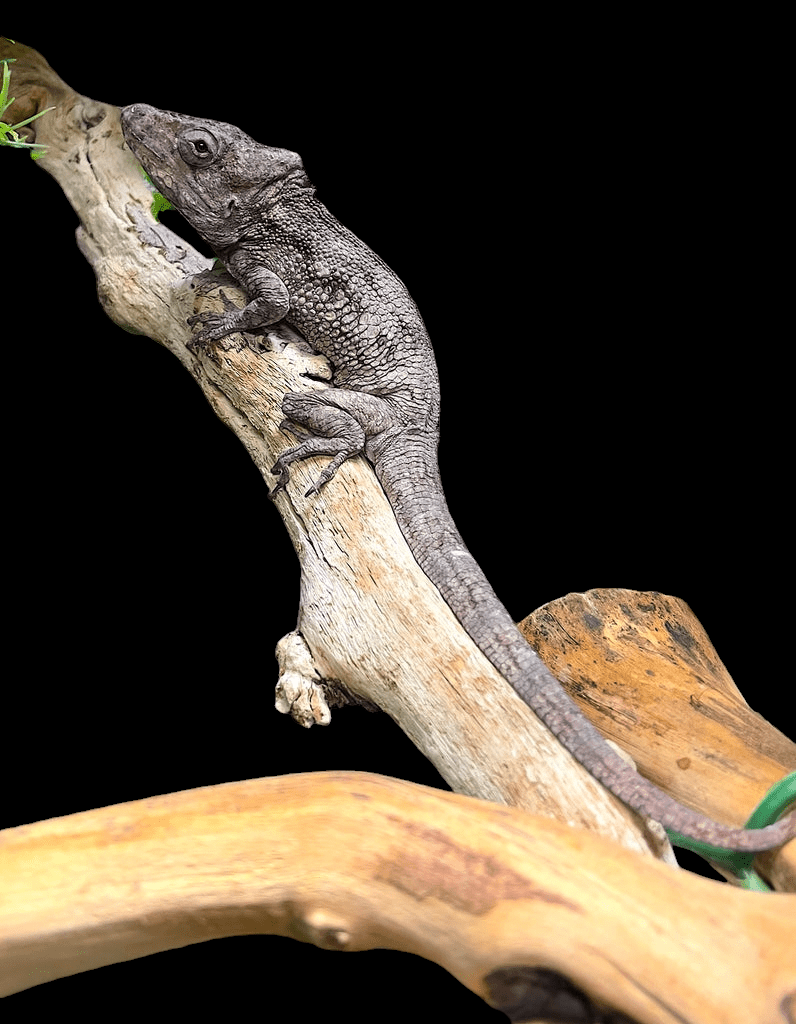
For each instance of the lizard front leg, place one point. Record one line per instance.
(270, 303)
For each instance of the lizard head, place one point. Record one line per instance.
(213, 173)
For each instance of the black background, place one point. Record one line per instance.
(590, 225)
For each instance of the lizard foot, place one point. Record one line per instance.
(280, 468)
(327, 474)
(325, 429)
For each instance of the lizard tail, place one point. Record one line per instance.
(408, 471)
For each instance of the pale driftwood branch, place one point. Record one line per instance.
(369, 617)
(351, 861)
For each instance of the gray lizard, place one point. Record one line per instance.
(256, 207)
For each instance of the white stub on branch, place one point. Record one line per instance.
(299, 692)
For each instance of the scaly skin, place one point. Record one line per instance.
(256, 207)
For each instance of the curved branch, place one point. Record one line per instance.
(504, 900)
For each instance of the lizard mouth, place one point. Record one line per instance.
(137, 128)
(136, 119)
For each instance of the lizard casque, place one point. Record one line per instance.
(256, 207)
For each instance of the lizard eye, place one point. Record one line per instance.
(198, 147)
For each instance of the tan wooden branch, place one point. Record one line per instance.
(644, 670)
(351, 861)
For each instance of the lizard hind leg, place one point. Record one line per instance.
(333, 422)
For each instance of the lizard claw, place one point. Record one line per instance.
(325, 476)
(280, 469)
(215, 326)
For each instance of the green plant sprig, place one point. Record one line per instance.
(9, 135)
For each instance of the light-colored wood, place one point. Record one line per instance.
(371, 619)
(643, 669)
(353, 861)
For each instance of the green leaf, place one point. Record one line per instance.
(9, 131)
